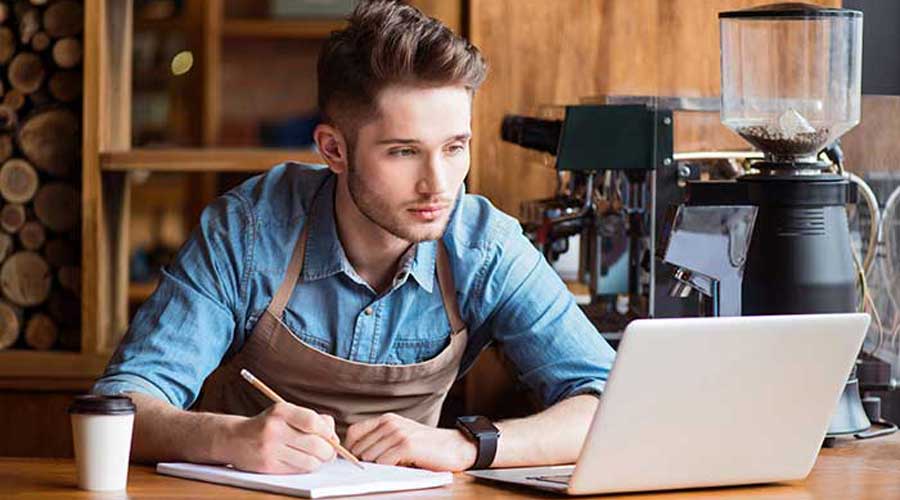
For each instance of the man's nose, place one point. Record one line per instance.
(434, 178)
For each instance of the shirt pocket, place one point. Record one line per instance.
(311, 335)
(419, 346)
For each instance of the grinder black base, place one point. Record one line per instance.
(799, 260)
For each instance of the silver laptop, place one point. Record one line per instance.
(702, 402)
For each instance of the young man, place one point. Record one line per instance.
(360, 292)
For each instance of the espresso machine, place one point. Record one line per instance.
(776, 239)
(617, 175)
(605, 156)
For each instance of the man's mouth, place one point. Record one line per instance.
(428, 212)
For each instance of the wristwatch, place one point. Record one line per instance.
(485, 434)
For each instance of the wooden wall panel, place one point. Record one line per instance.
(248, 99)
(35, 424)
(556, 52)
(448, 12)
(874, 144)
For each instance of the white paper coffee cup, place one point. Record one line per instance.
(101, 432)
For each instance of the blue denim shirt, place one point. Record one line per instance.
(225, 275)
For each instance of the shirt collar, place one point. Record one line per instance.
(325, 255)
(422, 267)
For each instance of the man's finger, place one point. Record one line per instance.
(394, 456)
(356, 431)
(329, 424)
(379, 446)
(313, 444)
(366, 441)
(298, 461)
(306, 420)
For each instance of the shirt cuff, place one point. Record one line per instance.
(594, 387)
(117, 384)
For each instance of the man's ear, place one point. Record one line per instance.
(332, 146)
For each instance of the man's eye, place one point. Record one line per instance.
(403, 152)
(455, 149)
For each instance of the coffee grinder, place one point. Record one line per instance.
(776, 240)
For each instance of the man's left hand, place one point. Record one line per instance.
(394, 440)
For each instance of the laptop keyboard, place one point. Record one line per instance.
(560, 478)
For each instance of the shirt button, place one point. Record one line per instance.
(368, 311)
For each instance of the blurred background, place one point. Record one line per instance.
(180, 100)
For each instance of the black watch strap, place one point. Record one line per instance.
(486, 437)
(487, 450)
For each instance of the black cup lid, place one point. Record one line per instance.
(102, 405)
(790, 10)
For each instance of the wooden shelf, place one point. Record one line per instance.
(32, 384)
(204, 160)
(50, 365)
(139, 292)
(281, 28)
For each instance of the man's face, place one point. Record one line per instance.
(407, 165)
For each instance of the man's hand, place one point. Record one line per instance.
(283, 439)
(394, 440)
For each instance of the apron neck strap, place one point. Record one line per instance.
(448, 288)
(295, 266)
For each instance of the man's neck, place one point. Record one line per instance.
(373, 252)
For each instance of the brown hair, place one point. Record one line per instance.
(388, 42)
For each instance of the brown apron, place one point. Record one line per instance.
(347, 390)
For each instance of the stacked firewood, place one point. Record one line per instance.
(40, 173)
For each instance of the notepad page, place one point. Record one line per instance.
(338, 477)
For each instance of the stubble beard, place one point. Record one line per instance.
(381, 214)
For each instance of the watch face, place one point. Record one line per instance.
(478, 425)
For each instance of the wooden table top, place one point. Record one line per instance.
(851, 470)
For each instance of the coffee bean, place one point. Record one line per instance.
(778, 145)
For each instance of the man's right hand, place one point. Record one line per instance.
(283, 439)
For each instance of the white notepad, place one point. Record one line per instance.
(335, 478)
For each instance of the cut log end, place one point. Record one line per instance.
(25, 279)
(64, 18)
(6, 147)
(12, 217)
(8, 118)
(6, 245)
(57, 206)
(26, 72)
(32, 235)
(14, 99)
(18, 181)
(7, 44)
(70, 279)
(50, 140)
(67, 52)
(40, 41)
(29, 24)
(10, 324)
(41, 332)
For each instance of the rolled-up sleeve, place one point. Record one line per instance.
(179, 336)
(538, 326)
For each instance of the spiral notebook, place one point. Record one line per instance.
(335, 478)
